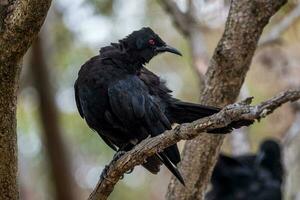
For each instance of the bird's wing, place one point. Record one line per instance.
(225, 160)
(132, 104)
(247, 160)
(224, 168)
(78, 104)
(77, 99)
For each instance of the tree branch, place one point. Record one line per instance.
(273, 36)
(150, 146)
(21, 26)
(190, 27)
(181, 20)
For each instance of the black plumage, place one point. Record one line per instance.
(247, 177)
(125, 102)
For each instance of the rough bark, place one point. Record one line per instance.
(234, 112)
(224, 78)
(59, 163)
(20, 22)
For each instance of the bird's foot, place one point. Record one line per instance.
(129, 171)
(105, 170)
(104, 173)
(118, 155)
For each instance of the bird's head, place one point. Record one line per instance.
(269, 152)
(144, 44)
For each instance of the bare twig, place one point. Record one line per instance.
(150, 146)
(275, 33)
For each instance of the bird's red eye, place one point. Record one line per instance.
(151, 41)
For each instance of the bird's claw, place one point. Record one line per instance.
(129, 171)
(104, 173)
(118, 155)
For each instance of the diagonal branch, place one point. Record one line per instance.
(188, 24)
(181, 20)
(273, 36)
(234, 112)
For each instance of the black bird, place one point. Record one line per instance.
(125, 103)
(247, 177)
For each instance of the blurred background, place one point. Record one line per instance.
(61, 158)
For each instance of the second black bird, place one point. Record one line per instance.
(125, 103)
(248, 177)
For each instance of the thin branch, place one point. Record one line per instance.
(273, 36)
(181, 20)
(148, 147)
(190, 27)
(192, 11)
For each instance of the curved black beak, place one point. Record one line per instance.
(167, 48)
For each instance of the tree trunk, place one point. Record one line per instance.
(20, 22)
(9, 75)
(224, 78)
(59, 163)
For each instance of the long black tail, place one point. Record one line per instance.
(170, 157)
(173, 168)
(184, 112)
